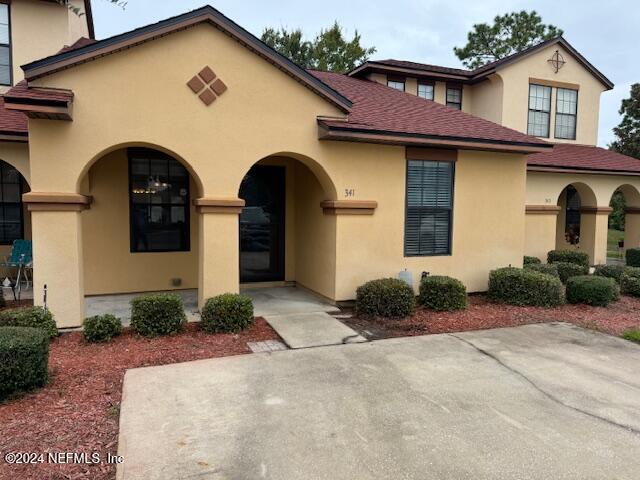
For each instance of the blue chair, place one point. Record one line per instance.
(21, 257)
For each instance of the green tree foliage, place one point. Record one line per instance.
(627, 133)
(616, 218)
(509, 34)
(328, 51)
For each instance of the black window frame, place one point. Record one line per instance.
(423, 83)
(449, 210)
(155, 155)
(8, 46)
(453, 88)
(529, 110)
(574, 115)
(20, 182)
(397, 79)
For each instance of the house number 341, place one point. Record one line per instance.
(349, 192)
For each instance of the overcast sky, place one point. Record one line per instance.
(606, 33)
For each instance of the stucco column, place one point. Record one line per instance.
(632, 228)
(594, 227)
(540, 230)
(57, 254)
(219, 256)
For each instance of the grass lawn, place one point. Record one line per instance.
(613, 238)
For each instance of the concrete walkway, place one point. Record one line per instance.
(301, 318)
(539, 402)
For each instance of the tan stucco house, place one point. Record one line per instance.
(187, 154)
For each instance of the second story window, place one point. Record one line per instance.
(397, 83)
(425, 90)
(539, 110)
(566, 113)
(5, 45)
(454, 96)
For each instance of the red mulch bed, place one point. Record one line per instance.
(78, 410)
(481, 314)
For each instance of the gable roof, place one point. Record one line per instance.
(92, 51)
(384, 115)
(584, 157)
(480, 73)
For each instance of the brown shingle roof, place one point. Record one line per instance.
(81, 42)
(12, 122)
(377, 108)
(584, 157)
(23, 93)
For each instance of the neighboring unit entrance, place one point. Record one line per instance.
(262, 225)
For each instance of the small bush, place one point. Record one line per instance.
(633, 257)
(531, 260)
(24, 359)
(609, 271)
(157, 314)
(548, 268)
(567, 270)
(228, 313)
(101, 328)
(568, 256)
(632, 335)
(592, 290)
(386, 297)
(517, 286)
(443, 293)
(34, 317)
(630, 281)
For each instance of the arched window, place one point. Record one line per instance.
(572, 218)
(11, 224)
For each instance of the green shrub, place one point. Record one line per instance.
(34, 317)
(548, 268)
(592, 290)
(227, 313)
(632, 335)
(517, 286)
(609, 271)
(385, 297)
(531, 260)
(24, 359)
(101, 328)
(630, 281)
(567, 270)
(633, 257)
(157, 314)
(568, 256)
(443, 293)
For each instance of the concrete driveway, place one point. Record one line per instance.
(535, 402)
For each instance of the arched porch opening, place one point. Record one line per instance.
(624, 222)
(284, 235)
(574, 200)
(141, 232)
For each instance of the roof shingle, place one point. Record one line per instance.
(22, 91)
(584, 157)
(12, 122)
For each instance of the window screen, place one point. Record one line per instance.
(539, 110)
(396, 85)
(429, 208)
(454, 97)
(425, 91)
(566, 113)
(5, 46)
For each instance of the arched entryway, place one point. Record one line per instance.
(624, 222)
(141, 233)
(284, 235)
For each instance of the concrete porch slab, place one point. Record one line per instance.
(285, 300)
(315, 329)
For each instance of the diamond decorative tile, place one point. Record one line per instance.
(207, 97)
(207, 75)
(207, 86)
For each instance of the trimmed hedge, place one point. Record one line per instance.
(443, 293)
(568, 256)
(592, 290)
(609, 271)
(633, 257)
(524, 287)
(33, 317)
(548, 268)
(385, 297)
(632, 335)
(227, 313)
(567, 270)
(24, 359)
(101, 328)
(157, 314)
(531, 260)
(630, 281)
